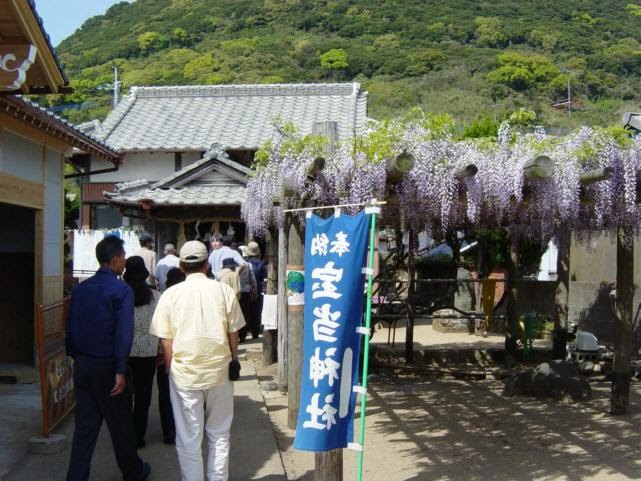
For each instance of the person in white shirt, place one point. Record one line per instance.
(165, 264)
(220, 249)
(149, 256)
(197, 322)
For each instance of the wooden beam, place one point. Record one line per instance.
(399, 166)
(15, 60)
(596, 175)
(17, 191)
(539, 168)
(466, 171)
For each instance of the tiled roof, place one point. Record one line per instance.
(188, 195)
(177, 190)
(29, 111)
(214, 159)
(235, 116)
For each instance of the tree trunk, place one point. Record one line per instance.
(411, 275)
(270, 337)
(561, 301)
(295, 258)
(512, 328)
(620, 394)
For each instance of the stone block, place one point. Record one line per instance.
(52, 444)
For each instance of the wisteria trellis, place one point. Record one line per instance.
(431, 198)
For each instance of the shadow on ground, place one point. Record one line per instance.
(253, 453)
(467, 431)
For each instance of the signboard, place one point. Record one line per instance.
(56, 368)
(335, 255)
(295, 282)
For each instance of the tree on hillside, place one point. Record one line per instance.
(489, 32)
(150, 41)
(200, 69)
(334, 61)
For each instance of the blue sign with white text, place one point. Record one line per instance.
(335, 254)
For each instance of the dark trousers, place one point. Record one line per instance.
(164, 404)
(142, 370)
(93, 380)
(251, 312)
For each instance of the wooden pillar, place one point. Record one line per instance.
(283, 355)
(295, 257)
(411, 289)
(270, 336)
(512, 331)
(328, 465)
(328, 130)
(620, 394)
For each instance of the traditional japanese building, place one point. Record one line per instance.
(187, 150)
(34, 147)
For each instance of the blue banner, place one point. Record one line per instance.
(335, 254)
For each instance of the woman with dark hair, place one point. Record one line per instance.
(174, 276)
(144, 348)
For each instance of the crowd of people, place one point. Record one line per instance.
(180, 320)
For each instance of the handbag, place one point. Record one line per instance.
(234, 370)
(234, 365)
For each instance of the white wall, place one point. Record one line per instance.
(52, 235)
(189, 158)
(150, 166)
(21, 157)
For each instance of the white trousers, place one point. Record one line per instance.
(210, 411)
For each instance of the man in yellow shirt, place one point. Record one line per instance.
(198, 322)
(228, 275)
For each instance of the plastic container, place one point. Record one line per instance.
(586, 341)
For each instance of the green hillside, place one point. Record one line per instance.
(473, 59)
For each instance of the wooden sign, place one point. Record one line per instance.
(56, 368)
(15, 60)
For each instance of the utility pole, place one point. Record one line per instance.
(569, 99)
(116, 88)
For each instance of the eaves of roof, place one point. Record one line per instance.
(209, 195)
(54, 79)
(64, 88)
(29, 112)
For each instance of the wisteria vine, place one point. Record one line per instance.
(429, 197)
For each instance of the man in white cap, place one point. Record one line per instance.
(197, 322)
(168, 262)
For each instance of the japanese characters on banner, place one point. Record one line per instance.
(335, 254)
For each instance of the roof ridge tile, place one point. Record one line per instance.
(240, 90)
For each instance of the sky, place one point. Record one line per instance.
(63, 17)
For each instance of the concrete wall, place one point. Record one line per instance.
(592, 277)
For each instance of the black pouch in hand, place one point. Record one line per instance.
(234, 370)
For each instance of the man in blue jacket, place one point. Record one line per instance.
(99, 335)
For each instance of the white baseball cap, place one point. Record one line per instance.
(193, 251)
